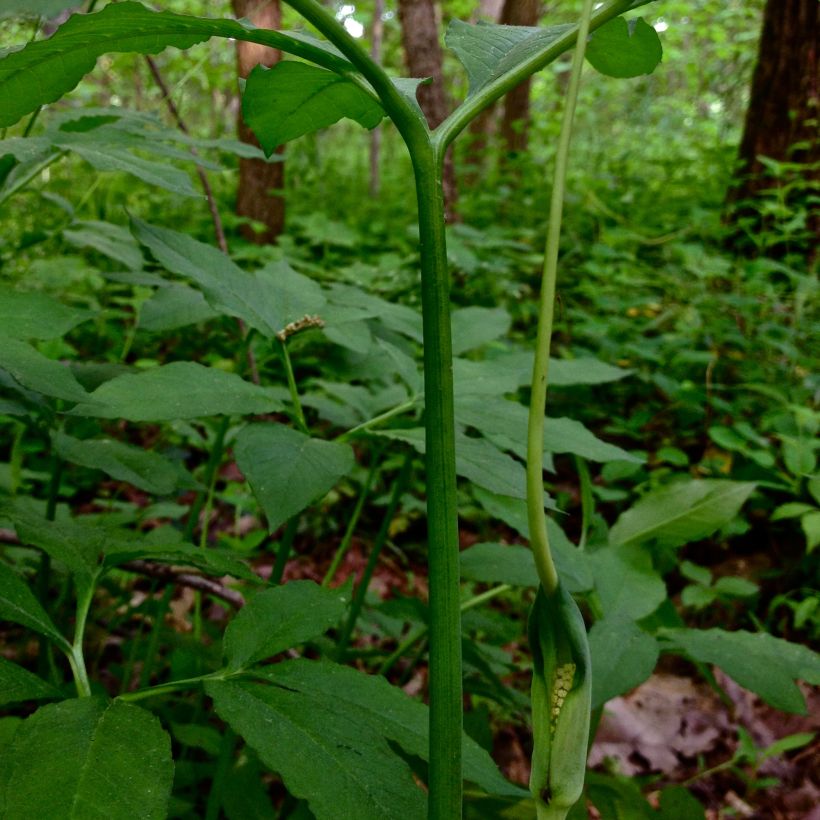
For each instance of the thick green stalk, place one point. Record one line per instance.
(445, 784)
(539, 540)
(283, 553)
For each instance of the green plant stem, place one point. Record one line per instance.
(172, 686)
(353, 522)
(539, 539)
(495, 89)
(419, 633)
(356, 605)
(398, 410)
(214, 459)
(294, 392)
(223, 764)
(76, 658)
(283, 553)
(23, 181)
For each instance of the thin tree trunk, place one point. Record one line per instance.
(782, 117)
(257, 178)
(516, 120)
(422, 54)
(377, 36)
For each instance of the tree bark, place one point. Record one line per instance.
(422, 55)
(516, 120)
(782, 117)
(257, 178)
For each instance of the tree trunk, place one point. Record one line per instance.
(782, 118)
(257, 178)
(516, 120)
(422, 55)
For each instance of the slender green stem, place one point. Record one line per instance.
(214, 459)
(398, 410)
(353, 522)
(497, 88)
(76, 658)
(283, 553)
(446, 721)
(539, 539)
(294, 392)
(25, 179)
(171, 686)
(356, 605)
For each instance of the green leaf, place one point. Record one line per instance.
(289, 470)
(623, 48)
(267, 300)
(36, 316)
(18, 684)
(347, 717)
(765, 665)
(19, 606)
(89, 758)
(279, 618)
(678, 804)
(487, 51)
(144, 469)
(627, 584)
(113, 241)
(181, 390)
(291, 99)
(475, 326)
(45, 70)
(35, 371)
(681, 513)
(174, 307)
(811, 529)
(623, 657)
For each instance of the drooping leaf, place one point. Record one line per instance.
(45, 70)
(681, 513)
(267, 300)
(291, 99)
(346, 704)
(124, 462)
(180, 390)
(627, 584)
(113, 241)
(18, 684)
(279, 618)
(36, 316)
(37, 372)
(19, 606)
(289, 470)
(759, 662)
(174, 307)
(622, 48)
(476, 326)
(488, 51)
(88, 758)
(623, 657)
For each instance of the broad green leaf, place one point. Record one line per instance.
(244, 796)
(124, 462)
(35, 371)
(174, 307)
(289, 470)
(279, 618)
(476, 326)
(18, 684)
(267, 300)
(113, 241)
(45, 70)
(759, 662)
(811, 529)
(677, 803)
(622, 48)
(89, 758)
(488, 51)
(180, 390)
(346, 704)
(623, 656)
(325, 755)
(19, 606)
(397, 317)
(681, 513)
(291, 99)
(36, 316)
(628, 586)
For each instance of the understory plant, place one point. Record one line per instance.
(345, 744)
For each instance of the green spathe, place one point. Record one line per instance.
(561, 700)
